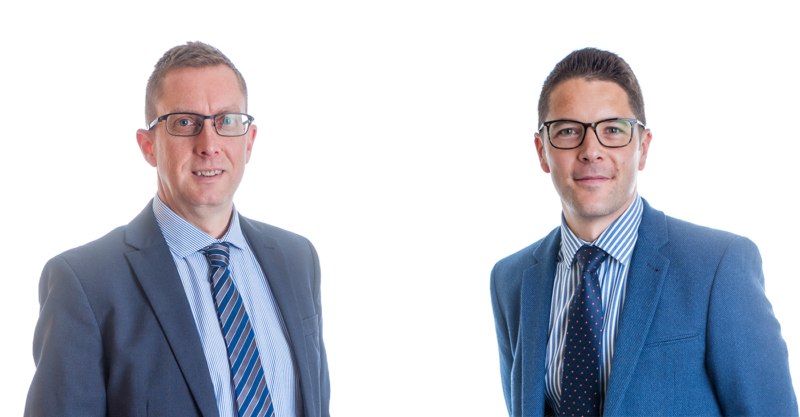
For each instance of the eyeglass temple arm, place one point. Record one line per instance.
(153, 123)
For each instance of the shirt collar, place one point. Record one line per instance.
(184, 239)
(617, 240)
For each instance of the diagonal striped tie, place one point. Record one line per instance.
(252, 394)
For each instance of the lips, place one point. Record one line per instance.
(209, 173)
(591, 178)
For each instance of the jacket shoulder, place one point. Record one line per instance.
(697, 244)
(683, 230)
(507, 274)
(98, 252)
(659, 229)
(282, 236)
(517, 262)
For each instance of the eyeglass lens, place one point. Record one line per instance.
(187, 124)
(610, 133)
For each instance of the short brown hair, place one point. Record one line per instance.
(593, 64)
(193, 54)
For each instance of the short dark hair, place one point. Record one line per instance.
(193, 54)
(598, 65)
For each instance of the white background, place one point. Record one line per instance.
(398, 137)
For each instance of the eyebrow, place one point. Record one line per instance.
(229, 109)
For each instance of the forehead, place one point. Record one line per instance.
(588, 101)
(205, 90)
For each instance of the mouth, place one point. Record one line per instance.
(592, 179)
(210, 173)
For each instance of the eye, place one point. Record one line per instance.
(227, 120)
(184, 122)
(615, 129)
(567, 132)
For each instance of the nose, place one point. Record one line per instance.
(207, 142)
(591, 150)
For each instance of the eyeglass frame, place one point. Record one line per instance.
(586, 127)
(250, 120)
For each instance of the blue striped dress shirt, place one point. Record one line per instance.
(618, 241)
(185, 242)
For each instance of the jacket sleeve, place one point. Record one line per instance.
(325, 384)
(503, 342)
(67, 349)
(746, 357)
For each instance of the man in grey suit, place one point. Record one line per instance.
(190, 309)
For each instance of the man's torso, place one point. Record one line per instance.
(675, 332)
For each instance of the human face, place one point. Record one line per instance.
(596, 184)
(198, 175)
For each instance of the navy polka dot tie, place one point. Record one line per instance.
(580, 374)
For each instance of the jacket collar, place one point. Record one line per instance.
(155, 270)
(536, 293)
(645, 283)
(272, 260)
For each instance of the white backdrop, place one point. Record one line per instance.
(398, 137)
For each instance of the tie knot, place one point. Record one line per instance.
(218, 253)
(590, 258)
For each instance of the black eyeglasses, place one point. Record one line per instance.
(191, 124)
(569, 134)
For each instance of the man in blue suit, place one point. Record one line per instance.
(623, 310)
(191, 309)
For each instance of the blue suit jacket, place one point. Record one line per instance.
(696, 335)
(116, 335)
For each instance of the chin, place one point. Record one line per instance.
(208, 200)
(590, 207)
(210, 203)
(593, 212)
(594, 208)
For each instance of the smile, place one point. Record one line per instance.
(592, 178)
(207, 173)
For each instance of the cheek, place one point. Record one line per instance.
(169, 157)
(627, 160)
(238, 155)
(559, 163)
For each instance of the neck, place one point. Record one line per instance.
(214, 221)
(589, 228)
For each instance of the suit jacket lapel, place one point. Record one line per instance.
(270, 256)
(645, 281)
(536, 294)
(155, 270)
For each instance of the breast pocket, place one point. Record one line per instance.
(660, 370)
(681, 338)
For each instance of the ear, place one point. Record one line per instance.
(146, 140)
(251, 137)
(647, 136)
(540, 151)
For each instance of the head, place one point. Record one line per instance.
(593, 65)
(596, 183)
(197, 175)
(191, 55)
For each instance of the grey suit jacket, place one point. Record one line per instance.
(116, 335)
